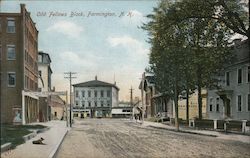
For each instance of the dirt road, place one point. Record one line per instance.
(114, 138)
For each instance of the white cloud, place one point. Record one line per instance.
(76, 61)
(67, 28)
(132, 45)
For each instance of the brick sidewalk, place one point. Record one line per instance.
(53, 138)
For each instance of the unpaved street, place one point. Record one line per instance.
(115, 138)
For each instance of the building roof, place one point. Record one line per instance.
(46, 60)
(95, 83)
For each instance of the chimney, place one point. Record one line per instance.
(22, 8)
(95, 77)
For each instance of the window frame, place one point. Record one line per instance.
(108, 93)
(77, 94)
(237, 103)
(211, 104)
(241, 76)
(95, 93)
(83, 104)
(8, 79)
(217, 104)
(7, 54)
(83, 93)
(11, 20)
(227, 78)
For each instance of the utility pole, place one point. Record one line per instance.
(131, 100)
(69, 76)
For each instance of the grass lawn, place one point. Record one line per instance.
(14, 133)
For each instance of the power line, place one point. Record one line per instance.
(70, 77)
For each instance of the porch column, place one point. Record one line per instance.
(23, 108)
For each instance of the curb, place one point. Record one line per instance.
(54, 152)
(183, 131)
(5, 147)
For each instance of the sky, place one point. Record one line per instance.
(92, 38)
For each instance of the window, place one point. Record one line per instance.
(89, 104)
(217, 104)
(11, 53)
(55, 114)
(227, 78)
(239, 102)
(211, 104)
(101, 93)
(95, 104)
(11, 79)
(248, 102)
(77, 103)
(239, 76)
(108, 93)
(83, 93)
(83, 104)
(77, 95)
(248, 74)
(95, 93)
(89, 93)
(101, 103)
(11, 26)
(108, 103)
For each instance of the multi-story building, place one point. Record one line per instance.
(147, 91)
(19, 72)
(154, 103)
(96, 98)
(45, 72)
(44, 85)
(232, 100)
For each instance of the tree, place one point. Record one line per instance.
(182, 49)
(234, 14)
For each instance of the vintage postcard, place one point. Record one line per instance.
(124, 78)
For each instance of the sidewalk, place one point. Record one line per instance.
(52, 138)
(220, 135)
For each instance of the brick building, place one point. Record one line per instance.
(19, 72)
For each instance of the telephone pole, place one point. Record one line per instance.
(70, 76)
(131, 100)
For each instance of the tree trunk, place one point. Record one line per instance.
(176, 105)
(199, 94)
(187, 105)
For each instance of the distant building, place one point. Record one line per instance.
(95, 98)
(147, 88)
(232, 100)
(155, 104)
(193, 105)
(19, 72)
(58, 108)
(44, 85)
(44, 71)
